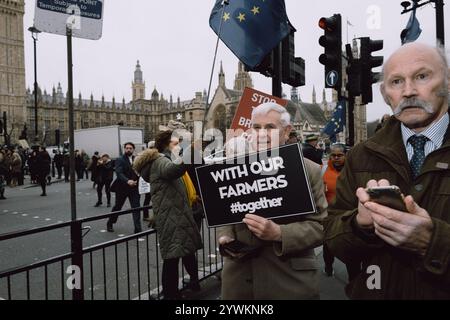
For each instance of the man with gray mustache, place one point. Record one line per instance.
(403, 255)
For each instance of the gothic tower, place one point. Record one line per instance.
(12, 65)
(138, 84)
(294, 95)
(242, 79)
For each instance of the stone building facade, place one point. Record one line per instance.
(151, 113)
(12, 65)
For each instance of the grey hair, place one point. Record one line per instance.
(266, 107)
(440, 49)
(339, 146)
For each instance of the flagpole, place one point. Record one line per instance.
(224, 3)
(347, 29)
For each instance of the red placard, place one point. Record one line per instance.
(250, 99)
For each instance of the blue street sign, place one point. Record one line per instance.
(332, 78)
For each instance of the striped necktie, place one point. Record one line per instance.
(418, 158)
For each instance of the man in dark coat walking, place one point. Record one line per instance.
(58, 159)
(43, 162)
(126, 186)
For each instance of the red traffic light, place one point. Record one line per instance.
(328, 24)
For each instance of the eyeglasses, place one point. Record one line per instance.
(336, 155)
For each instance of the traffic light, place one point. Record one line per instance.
(332, 58)
(265, 67)
(293, 68)
(367, 63)
(353, 70)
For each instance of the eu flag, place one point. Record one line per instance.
(250, 28)
(412, 31)
(337, 122)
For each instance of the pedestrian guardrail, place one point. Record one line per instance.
(125, 268)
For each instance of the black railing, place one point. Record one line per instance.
(123, 268)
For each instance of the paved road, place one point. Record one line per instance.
(25, 209)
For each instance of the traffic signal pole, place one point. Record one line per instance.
(277, 72)
(351, 121)
(440, 34)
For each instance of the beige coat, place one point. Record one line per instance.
(282, 270)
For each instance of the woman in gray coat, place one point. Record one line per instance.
(177, 232)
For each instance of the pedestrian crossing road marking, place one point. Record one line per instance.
(5, 211)
(48, 219)
(102, 231)
(36, 217)
(121, 235)
(24, 215)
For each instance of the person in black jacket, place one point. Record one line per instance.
(42, 164)
(126, 186)
(93, 168)
(104, 174)
(58, 160)
(310, 150)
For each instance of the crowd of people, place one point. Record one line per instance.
(16, 162)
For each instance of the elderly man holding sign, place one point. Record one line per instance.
(284, 266)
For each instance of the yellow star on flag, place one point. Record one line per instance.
(255, 10)
(241, 17)
(226, 16)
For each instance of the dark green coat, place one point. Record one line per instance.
(177, 232)
(404, 275)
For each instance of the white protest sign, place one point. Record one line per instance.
(84, 17)
(144, 187)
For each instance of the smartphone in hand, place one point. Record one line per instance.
(390, 196)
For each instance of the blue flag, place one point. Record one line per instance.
(250, 28)
(337, 121)
(412, 31)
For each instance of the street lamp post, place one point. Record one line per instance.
(34, 35)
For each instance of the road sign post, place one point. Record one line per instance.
(81, 19)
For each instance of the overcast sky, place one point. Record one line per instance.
(175, 45)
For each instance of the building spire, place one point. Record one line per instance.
(242, 79)
(314, 98)
(221, 76)
(138, 73)
(138, 85)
